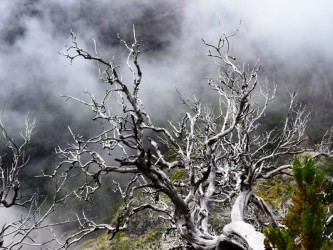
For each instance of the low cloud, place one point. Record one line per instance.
(292, 40)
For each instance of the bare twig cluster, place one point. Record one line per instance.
(220, 150)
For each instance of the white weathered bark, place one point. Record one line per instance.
(220, 149)
(242, 229)
(247, 232)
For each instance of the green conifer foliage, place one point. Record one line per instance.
(305, 221)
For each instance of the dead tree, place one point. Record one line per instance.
(30, 211)
(10, 194)
(219, 148)
(12, 164)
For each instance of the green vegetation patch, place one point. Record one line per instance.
(178, 174)
(275, 191)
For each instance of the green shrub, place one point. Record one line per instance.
(305, 221)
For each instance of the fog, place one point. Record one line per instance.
(292, 40)
(289, 38)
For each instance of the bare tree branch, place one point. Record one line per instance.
(221, 149)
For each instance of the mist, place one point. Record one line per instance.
(292, 40)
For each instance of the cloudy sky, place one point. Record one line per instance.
(291, 38)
